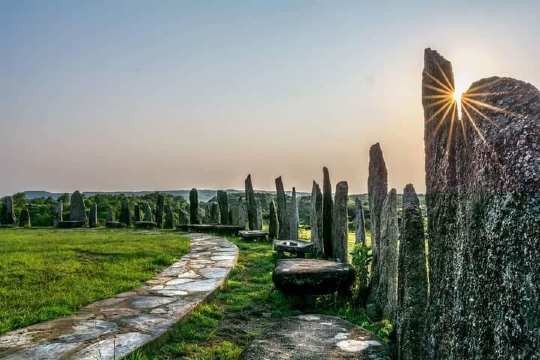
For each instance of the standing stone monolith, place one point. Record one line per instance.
(77, 210)
(148, 215)
(359, 223)
(293, 216)
(24, 218)
(223, 201)
(377, 191)
(316, 219)
(137, 213)
(169, 218)
(283, 214)
(160, 208)
(243, 214)
(59, 213)
(125, 215)
(328, 205)
(93, 216)
(251, 204)
(259, 223)
(183, 217)
(214, 213)
(412, 279)
(8, 216)
(235, 214)
(194, 207)
(483, 206)
(340, 222)
(386, 297)
(273, 224)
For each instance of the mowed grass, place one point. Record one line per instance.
(223, 327)
(50, 273)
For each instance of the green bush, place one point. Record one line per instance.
(361, 258)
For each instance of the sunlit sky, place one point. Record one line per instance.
(140, 95)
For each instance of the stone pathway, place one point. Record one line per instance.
(113, 328)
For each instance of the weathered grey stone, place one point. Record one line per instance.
(283, 214)
(214, 213)
(183, 217)
(223, 201)
(77, 211)
(483, 206)
(293, 217)
(273, 226)
(243, 214)
(315, 337)
(160, 209)
(93, 216)
(377, 190)
(340, 220)
(328, 205)
(412, 279)
(316, 219)
(235, 214)
(194, 207)
(251, 204)
(259, 224)
(125, 215)
(169, 218)
(360, 228)
(24, 218)
(148, 216)
(8, 216)
(295, 247)
(59, 213)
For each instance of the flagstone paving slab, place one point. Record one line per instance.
(113, 328)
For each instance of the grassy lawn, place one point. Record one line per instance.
(222, 328)
(49, 273)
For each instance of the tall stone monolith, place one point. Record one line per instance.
(316, 219)
(283, 214)
(340, 222)
(251, 204)
(243, 214)
(293, 216)
(59, 213)
(223, 201)
(24, 218)
(8, 216)
(377, 190)
(125, 214)
(483, 206)
(215, 217)
(160, 209)
(77, 210)
(169, 222)
(359, 223)
(235, 214)
(259, 223)
(93, 216)
(412, 279)
(147, 210)
(194, 207)
(328, 206)
(273, 223)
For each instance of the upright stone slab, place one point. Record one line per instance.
(214, 213)
(251, 204)
(328, 205)
(243, 214)
(93, 216)
(377, 190)
(293, 217)
(283, 214)
(194, 207)
(125, 215)
(412, 279)
(160, 208)
(169, 218)
(235, 214)
(137, 213)
(273, 223)
(77, 210)
(183, 217)
(483, 206)
(359, 223)
(259, 223)
(8, 217)
(148, 215)
(223, 201)
(316, 219)
(340, 220)
(59, 213)
(24, 218)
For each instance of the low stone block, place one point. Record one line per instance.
(253, 235)
(295, 247)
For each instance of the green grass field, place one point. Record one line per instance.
(223, 327)
(49, 273)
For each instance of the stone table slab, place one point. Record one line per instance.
(113, 328)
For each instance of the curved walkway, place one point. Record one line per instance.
(113, 328)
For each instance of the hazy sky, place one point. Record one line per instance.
(155, 95)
